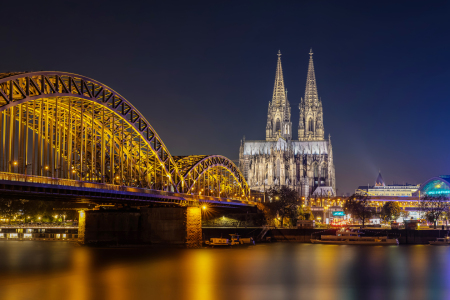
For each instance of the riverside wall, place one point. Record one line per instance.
(410, 237)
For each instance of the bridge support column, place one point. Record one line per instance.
(155, 225)
(81, 226)
(172, 225)
(193, 227)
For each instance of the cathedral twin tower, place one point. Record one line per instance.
(279, 123)
(305, 164)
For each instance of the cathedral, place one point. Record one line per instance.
(306, 164)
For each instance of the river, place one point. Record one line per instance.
(63, 271)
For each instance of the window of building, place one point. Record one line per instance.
(324, 171)
(277, 172)
(278, 125)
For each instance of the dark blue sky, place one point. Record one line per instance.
(202, 72)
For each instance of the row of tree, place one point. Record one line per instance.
(44, 211)
(431, 208)
(284, 204)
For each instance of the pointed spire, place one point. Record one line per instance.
(279, 93)
(379, 181)
(311, 95)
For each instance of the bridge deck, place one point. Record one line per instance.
(42, 188)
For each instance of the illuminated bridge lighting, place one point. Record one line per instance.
(66, 126)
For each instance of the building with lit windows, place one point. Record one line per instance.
(381, 189)
(407, 196)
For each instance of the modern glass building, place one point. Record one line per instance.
(435, 186)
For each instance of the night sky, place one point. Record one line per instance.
(202, 73)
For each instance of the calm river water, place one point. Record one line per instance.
(40, 270)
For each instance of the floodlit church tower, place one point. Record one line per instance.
(279, 114)
(310, 126)
(306, 164)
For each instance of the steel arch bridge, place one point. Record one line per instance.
(67, 126)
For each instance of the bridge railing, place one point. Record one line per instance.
(56, 181)
(104, 186)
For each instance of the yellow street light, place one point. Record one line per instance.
(204, 207)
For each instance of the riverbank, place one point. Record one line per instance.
(304, 235)
(257, 233)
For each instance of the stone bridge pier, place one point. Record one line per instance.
(152, 225)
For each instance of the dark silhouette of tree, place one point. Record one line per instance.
(23, 209)
(390, 211)
(10, 208)
(434, 207)
(283, 202)
(358, 207)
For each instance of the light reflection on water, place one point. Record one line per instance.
(40, 270)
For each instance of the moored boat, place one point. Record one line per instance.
(234, 240)
(353, 238)
(217, 242)
(441, 242)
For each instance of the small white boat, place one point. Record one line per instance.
(441, 242)
(353, 238)
(217, 242)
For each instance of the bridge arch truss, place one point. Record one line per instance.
(212, 175)
(63, 125)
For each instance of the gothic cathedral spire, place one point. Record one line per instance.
(310, 126)
(279, 113)
(279, 91)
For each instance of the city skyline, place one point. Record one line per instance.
(381, 71)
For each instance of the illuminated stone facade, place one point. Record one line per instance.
(304, 164)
